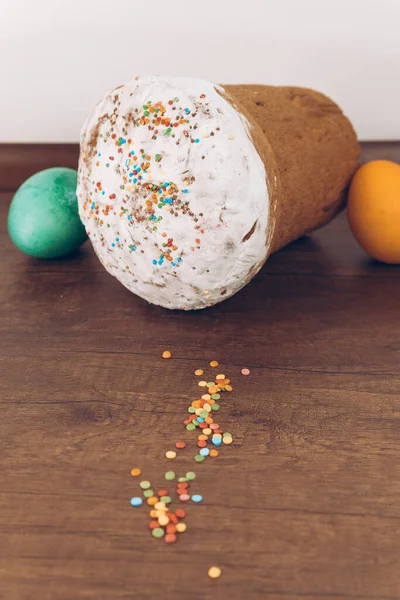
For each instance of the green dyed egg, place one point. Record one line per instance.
(43, 220)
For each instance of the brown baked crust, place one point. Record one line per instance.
(310, 152)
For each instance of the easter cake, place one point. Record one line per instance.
(186, 187)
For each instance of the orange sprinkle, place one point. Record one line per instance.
(213, 389)
(136, 472)
(179, 445)
(214, 363)
(202, 443)
(228, 388)
(153, 524)
(214, 453)
(162, 492)
(166, 354)
(170, 538)
(152, 500)
(171, 528)
(180, 513)
(199, 372)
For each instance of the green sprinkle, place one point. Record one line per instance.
(148, 493)
(145, 485)
(165, 499)
(176, 99)
(107, 164)
(146, 113)
(195, 422)
(158, 157)
(210, 383)
(203, 414)
(190, 475)
(215, 396)
(157, 532)
(215, 406)
(227, 434)
(182, 479)
(170, 475)
(199, 458)
(145, 107)
(191, 409)
(190, 427)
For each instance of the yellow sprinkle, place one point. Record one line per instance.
(220, 376)
(181, 527)
(214, 572)
(200, 372)
(206, 397)
(207, 431)
(227, 440)
(231, 137)
(160, 506)
(163, 520)
(206, 292)
(202, 383)
(170, 454)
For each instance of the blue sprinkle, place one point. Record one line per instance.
(173, 264)
(99, 154)
(135, 180)
(103, 193)
(154, 261)
(197, 140)
(113, 245)
(187, 111)
(117, 239)
(185, 191)
(160, 262)
(130, 174)
(138, 501)
(200, 419)
(129, 217)
(166, 184)
(204, 452)
(195, 498)
(179, 259)
(138, 170)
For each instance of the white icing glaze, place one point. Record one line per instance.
(222, 172)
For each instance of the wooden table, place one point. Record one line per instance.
(304, 505)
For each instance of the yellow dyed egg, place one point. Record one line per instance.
(373, 209)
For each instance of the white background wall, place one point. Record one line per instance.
(58, 57)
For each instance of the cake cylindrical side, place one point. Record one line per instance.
(315, 150)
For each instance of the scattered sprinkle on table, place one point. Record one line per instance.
(180, 444)
(197, 498)
(136, 472)
(171, 454)
(145, 485)
(170, 475)
(245, 371)
(166, 354)
(214, 363)
(199, 372)
(157, 532)
(214, 572)
(136, 501)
